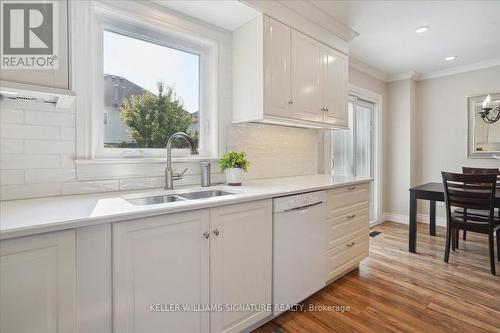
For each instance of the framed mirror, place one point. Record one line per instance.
(484, 126)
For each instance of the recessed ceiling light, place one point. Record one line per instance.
(451, 58)
(422, 29)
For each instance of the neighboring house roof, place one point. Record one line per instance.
(117, 88)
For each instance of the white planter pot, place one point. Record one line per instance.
(233, 176)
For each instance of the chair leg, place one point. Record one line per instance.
(498, 244)
(457, 238)
(447, 246)
(465, 234)
(492, 252)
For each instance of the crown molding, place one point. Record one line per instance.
(461, 69)
(315, 14)
(412, 75)
(367, 69)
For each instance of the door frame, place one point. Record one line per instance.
(378, 161)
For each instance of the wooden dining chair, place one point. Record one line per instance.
(469, 191)
(478, 171)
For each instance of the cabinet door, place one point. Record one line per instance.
(276, 68)
(37, 283)
(161, 260)
(335, 88)
(307, 62)
(240, 263)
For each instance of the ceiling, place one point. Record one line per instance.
(225, 14)
(387, 40)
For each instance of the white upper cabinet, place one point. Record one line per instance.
(307, 65)
(335, 87)
(277, 84)
(282, 76)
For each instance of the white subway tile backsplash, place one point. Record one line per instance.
(141, 183)
(50, 118)
(16, 131)
(68, 161)
(11, 146)
(11, 177)
(68, 133)
(89, 187)
(49, 147)
(12, 192)
(10, 116)
(37, 176)
(22, 161)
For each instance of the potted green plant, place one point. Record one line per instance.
(233, 163)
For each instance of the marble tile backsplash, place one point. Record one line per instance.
(275, 151)
(38, 149)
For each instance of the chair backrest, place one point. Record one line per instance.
(480, 171)
(469, 191)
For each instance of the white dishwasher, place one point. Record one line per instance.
(299, 248)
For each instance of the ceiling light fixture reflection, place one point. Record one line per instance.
(450, 58)
(422, 29)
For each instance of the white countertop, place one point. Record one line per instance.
(32, 216)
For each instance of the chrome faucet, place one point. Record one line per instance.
(170, 175)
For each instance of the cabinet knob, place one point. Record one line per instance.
(206, 234)
(216, 232)
(326, 109)
(290, 101)
(323, 109)
(350, 188)
(351, 244)
(350, 216)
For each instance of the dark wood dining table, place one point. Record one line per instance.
(432, 192)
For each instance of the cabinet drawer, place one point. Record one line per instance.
(347, 254)
(341, 228)
(347, 199)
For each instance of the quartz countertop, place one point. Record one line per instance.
(33, 216)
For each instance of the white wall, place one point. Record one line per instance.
(397, 147)
(442, 123)
(427, 133)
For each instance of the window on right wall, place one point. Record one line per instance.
(352, 149)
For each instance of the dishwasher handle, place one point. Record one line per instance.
(303, 207)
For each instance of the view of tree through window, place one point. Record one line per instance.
(151, 91)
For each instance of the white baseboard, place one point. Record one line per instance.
(404, 219)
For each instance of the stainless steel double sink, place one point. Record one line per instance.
(160, 199)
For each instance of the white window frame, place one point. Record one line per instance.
(150, 22)
(162, 37)
(377, 144)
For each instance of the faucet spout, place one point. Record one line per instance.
(170, 176)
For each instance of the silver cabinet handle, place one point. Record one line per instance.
(350, 188)
(206, 234)
(326, 109)
(350, 216)
(290, 101)
(323, 109)
(216, 232)
(351, 244)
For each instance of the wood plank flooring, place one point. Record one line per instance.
(396, 291)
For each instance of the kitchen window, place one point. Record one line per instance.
(150, 84)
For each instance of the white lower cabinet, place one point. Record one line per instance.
(38, 283)
(161, 260)
(240, 263)
(209, 257)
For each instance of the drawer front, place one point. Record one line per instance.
(341, 228)
(347, 253)
(344, 200)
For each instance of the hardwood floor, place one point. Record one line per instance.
(396, 291)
